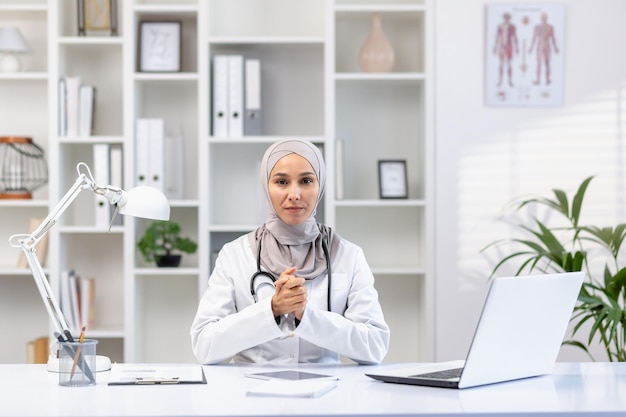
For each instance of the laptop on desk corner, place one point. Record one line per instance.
(519, 334)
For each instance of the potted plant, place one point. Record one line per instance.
(162, 238)
(572, 246)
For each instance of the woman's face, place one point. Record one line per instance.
(293, 189)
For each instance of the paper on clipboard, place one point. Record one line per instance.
(146, 374)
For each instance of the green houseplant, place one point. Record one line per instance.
(160, 240)
(572, 246)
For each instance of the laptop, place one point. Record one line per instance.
(519, 335)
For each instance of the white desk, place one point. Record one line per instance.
(586, 389)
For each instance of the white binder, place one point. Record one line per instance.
(142, 157)
(101, 176)
(235, 96)
(156, 162)
(116, 177)
(72, 86)
(220, 96)
(174, 163)
(62, 107)
(252, 124)
(86, 110)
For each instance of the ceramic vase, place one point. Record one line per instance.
(376, 52)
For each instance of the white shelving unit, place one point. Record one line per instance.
(312, 87)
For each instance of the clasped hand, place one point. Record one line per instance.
(290, 295)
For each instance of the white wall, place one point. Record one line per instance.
(486, 156)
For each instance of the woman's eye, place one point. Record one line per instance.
(307, 180)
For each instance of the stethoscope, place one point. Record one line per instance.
(266, 274)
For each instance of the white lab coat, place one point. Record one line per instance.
(230, 325)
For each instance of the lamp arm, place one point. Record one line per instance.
(30, 241)
(59, 320)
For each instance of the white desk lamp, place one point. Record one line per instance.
(11, 42)
(142, 201)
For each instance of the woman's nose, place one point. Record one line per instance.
(294, 192)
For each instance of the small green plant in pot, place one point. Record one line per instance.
(572, 246)
(161, 240)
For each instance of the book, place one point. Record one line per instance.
(72, 87)
(65, 299)
(86, 110)
(37, 350)
(87, 302)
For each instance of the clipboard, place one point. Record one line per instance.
(146, 374)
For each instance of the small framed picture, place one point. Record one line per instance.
(159, 46)
(392, 179)
(97, 17)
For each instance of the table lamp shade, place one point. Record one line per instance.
(145, 202)
(23, 167)
(11, 40)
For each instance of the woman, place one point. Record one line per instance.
(307, 313)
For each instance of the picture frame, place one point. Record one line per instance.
(97, 17)
(160, 46)
(392, 178)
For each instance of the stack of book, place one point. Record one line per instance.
(76, 107)
(77, 300)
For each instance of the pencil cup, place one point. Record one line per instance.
(77, 363)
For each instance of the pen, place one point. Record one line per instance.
(68, 335)
(77, 355)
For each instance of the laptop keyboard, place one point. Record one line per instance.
(444, 374)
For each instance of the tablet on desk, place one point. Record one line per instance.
(290, 375)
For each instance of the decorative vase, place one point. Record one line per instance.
(376, 52)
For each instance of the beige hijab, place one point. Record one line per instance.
(282, 245)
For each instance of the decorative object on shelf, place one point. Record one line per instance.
(392, 179)
(11, 43)
(160, 239)
(143, 201)
(97, 17)
(23, 167)
(376, 52)
(159, 46)
(569, 247)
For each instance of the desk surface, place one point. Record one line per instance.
(583, 389)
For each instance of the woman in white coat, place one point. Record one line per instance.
(292, 290)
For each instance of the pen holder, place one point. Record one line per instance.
(77, 363)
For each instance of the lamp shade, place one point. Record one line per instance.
(11, 40)
(145, 202)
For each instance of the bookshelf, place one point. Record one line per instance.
(312, 87)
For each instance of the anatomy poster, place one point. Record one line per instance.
(524, 55)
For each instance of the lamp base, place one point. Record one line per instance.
(103, 363)
(9, 63)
